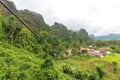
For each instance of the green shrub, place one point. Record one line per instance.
(50, 75)
(23, 75)
(25, 66)
(115, 66)
(100, 71)
(85, 51)
(74, 51)
(36, 74)
(93, 75)
(47, 64)
(67, 69)
(80, 74)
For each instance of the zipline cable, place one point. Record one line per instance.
(26, 25)
(15, 11)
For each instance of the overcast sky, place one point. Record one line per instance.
(98, 17)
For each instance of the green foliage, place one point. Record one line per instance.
(0, 24)
(75, 43)
(100, 43)
(80, 74)
(67, 69)
(74, 51)
(85, 51)
(12, 29)
(93, 75)
(1, 29)
(115, 66)
(115, 49)
(47, 64)
(50, 74)
(48, 71)
(115, 63)
(16, 64)
(100, 71)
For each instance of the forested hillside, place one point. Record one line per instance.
(55, 38)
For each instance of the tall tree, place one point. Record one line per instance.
(13, 28)
(1, 34)
(0, 24)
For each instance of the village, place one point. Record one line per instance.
(90, 51)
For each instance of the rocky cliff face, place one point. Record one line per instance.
(4, 11)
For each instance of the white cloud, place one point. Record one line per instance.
(97, 16)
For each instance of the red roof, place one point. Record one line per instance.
(95, 53)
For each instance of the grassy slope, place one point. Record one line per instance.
(14, 62)
(90, 63)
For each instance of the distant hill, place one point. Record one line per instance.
(108, 37)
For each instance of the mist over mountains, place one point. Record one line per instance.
(107, 37)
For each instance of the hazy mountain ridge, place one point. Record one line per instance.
(108, 37)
